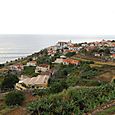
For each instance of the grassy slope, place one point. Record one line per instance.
(108, 70)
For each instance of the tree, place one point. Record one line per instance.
(41, 92)
(70, 54)
(83, 51)
(30, 59)
(107, 51)
(9, 82)
(1, 65)
(58, 86)
(43, 52)
(44, 59)
(87, 72)
(14, 98)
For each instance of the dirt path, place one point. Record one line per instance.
(18, 111)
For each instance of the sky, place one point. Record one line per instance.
(62, 17)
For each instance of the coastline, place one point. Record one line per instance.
(4, 57)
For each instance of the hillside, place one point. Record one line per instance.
(61, 81)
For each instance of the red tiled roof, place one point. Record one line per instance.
(113, 44)
(113, 55)
(71, 61)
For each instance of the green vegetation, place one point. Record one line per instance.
(30, 71)
(62, 97)
(70, 54)
(109, 111)
(83, 76)
(1, 80)
(44, 59)
(2, 65)
(102, 51)
(72, 90)
(9, 82)
(87, 72)
(58, 81)
(73, 101)
(70, 75)
(41, 92)
(58, 87)
(14, 98)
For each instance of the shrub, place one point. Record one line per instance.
(41, 92)
(57, 87)
(9, 82)
(70, 54)
(14, 98)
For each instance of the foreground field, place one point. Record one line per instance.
(107, 68)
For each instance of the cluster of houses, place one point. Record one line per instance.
(27, 82)
(63, 47)
(66, 61)
(66, 47)
(40, 81)
(44, 73)
(102, 43)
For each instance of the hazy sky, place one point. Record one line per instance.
(78, 17)
(32, 43)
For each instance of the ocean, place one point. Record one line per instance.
(14, 46)
(12, 56)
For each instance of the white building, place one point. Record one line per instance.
(16, 67)
(32, 63)
(42, 68)
(34, 58)
(97, 54)
(41, 81)
(61, 45)
(59, 60)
